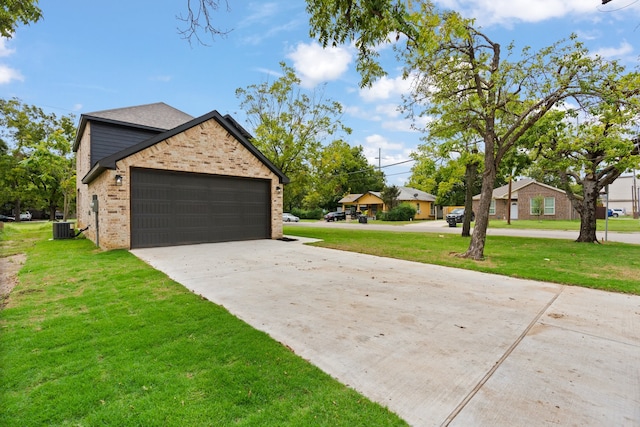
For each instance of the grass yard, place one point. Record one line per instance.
(611, 266)
(100, 338)
(622, 224)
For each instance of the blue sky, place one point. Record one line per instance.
(86, 56)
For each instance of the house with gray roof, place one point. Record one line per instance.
(529, 199)
(371, 202)
(152, 175)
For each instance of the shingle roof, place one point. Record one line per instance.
(503, 192)
(407, 194)
(412, 194)
(158, 115)
(110, 161)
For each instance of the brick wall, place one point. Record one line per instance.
(205, 148)
(563, 208)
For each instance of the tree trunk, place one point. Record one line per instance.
(17, 208)
(470, 177)
(476, 247)
(588, 212)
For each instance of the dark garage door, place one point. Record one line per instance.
(178, 208)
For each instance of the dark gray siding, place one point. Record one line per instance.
(108, 139)
(179, 208)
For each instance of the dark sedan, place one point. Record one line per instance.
(335, 216)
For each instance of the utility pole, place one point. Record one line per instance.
(379, 159)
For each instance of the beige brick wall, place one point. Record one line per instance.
(83, 165)
(206, 148)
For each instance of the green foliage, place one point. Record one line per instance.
(389, 196)
(39, 167)
(316, 213)
(340, 169)
(289, 127)
(471, 85)
(16, 12)
(403, 212)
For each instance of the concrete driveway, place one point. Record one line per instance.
(436, 345)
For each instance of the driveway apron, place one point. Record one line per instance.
(436, 345)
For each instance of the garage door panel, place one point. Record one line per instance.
(177, 208)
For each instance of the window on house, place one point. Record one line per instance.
(534, 206)
(549, 205)
(492, 207)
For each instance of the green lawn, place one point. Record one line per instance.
(622, 224)
(100, 338)
(611, 266)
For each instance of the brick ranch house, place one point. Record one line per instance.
(151, 175)
(555, 203)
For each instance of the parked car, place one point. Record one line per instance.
(5, 218)
(612, 213)
(619, 211)
(287, 217)
(25, 216)
(456, 216)
(335, 216)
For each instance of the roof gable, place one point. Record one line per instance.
(413, 194)
(231, 127)
(158, 116)
(503, 191)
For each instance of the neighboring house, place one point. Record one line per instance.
(371, 203)
(555, 203)
(152, 175)
(623, 192)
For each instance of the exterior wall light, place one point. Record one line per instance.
(118, 180)
(278, 189)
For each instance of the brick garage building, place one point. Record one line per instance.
(525, 194)
(152, 175)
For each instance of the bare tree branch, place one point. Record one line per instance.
(199, 19)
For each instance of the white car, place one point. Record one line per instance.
(287, 217)
(619, 211)
(25, 216)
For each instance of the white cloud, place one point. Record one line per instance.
(262, 12)
(8, 74)
(377, 141)
(385, 88)
(77, 107)
(315, 64)
(504, 11)
(624, 49)
(4, 50)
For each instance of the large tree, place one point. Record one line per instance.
(340, 169)
(43, 168)
(290, 126)
(589, 155)
(465, 80)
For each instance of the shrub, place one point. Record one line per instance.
(404, 212)
(307, 213)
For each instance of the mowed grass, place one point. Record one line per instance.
(624, 224)
(100, 338)
(611, 266)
